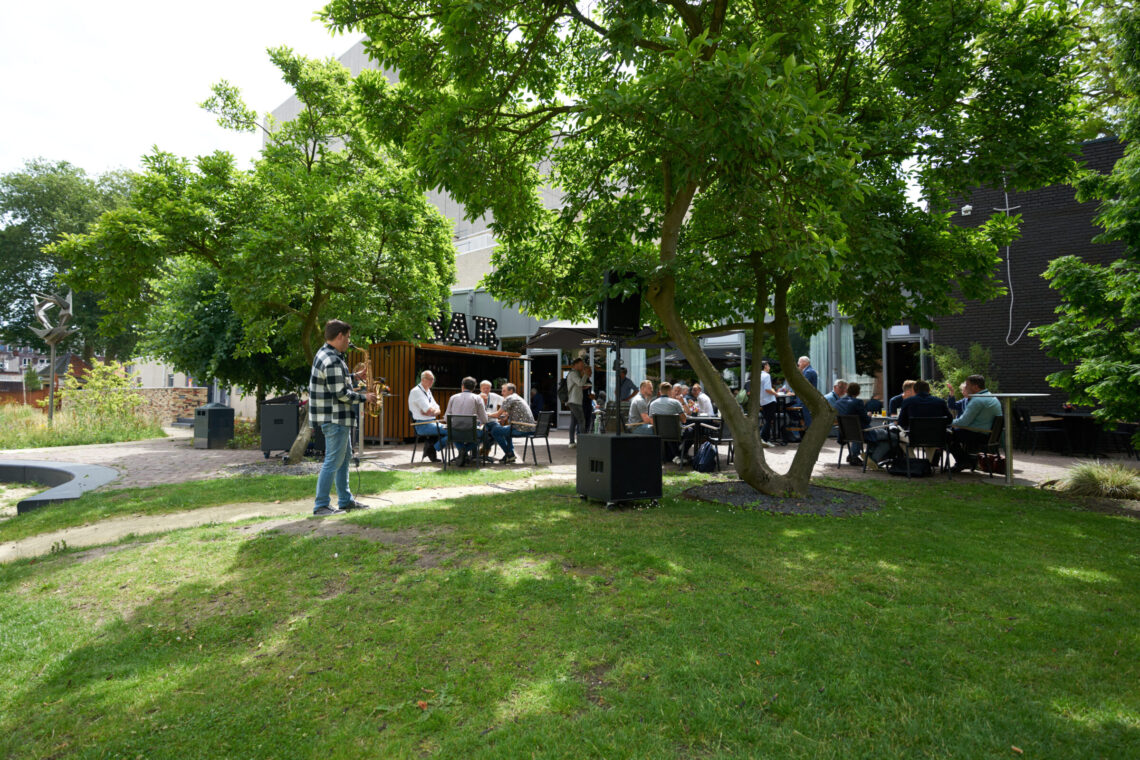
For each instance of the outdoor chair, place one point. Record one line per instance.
(420, 438)
(541, 430)
(668, 429)
(851, 431)
(1029, 430)
(929, 434)
(994, 445)
(1121, 437)
(461, 429)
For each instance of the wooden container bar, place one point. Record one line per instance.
(401, 362)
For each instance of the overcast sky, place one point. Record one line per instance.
(98, 84)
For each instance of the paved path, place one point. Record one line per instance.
(116, 529)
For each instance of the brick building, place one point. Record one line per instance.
(1053, 224)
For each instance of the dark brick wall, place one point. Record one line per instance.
(1053, 224)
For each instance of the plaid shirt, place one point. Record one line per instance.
(331, 397)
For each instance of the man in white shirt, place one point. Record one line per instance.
(704, 403)
(493, 401)
(425, 412)
(767, 405)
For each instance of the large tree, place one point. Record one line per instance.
(325, 225)
(39, 204)
(748, 160)
(1098, 321)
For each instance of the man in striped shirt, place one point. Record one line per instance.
(332, 408)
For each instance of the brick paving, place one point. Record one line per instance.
(175, 460)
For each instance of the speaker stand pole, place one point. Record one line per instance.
(617, 381)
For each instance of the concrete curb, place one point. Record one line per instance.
(70, 480)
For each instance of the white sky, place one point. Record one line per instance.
(99, 84)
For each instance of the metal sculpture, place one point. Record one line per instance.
(53, 335)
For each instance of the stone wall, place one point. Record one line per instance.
(168, 404)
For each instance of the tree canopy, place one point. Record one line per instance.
(1098, 321)
(324, 225)
(747, 160)
(40, 204)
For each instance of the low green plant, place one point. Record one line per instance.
(954, 369)
(246, 436)
(24, 427)
(1109, 480)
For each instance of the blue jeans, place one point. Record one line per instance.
(644, 430)
(501, 434)
(338, 452)
(431, 430)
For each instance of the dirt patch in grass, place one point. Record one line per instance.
(1121, 507)
(820, 501)
(595, 679)
(334, 528)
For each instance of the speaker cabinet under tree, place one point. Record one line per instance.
(620, 315)
(615, 468)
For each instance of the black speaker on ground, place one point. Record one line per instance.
(621, 315)
(615, 468)
(278, 426)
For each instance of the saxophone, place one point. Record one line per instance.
(371, 384)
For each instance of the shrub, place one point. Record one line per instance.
(246, 436)
(954, 369)
(1112, 481)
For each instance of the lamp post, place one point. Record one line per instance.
(52, 335)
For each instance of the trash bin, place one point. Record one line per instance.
(278, 426)
(213, 426)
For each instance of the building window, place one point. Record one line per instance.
(170, 381)
(25, 362)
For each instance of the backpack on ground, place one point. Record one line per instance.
(563, 391)
(707, 459)
(919, 467)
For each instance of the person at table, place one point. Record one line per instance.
(469, 402)
(626, 389)
(536, 401)
(767, 405)
(640, 423)
(896, 401)
(874, 405)
(838, 391)
(678, 392)
(922, 404)
(704, 403)
(970, 431)
(959, 406)
(492, 401)
(876, 438)
(578, 384)
(666, 404)
(514, 417)
(425, 413)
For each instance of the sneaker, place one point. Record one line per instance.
(462, 460)
(354, 505)
(677, 461)
(507, 459)
(573, 445)
(327, 512)
(767, 444)
(872, 464)
(430, 453)
(853, 459)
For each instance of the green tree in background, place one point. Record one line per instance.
(32, 380)
(38, 206)
(748, 160)
(325, 225)
(1098, 321)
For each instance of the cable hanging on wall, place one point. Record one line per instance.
(1009, 273)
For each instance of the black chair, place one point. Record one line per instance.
(420, 437)
(851, 431)
(1121, 437)
(1029, 430)
(720, 435)
(461, 429)
(669, 430)
(995, 444)
(925, 434)
(541, 430)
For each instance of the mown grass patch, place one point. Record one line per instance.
(959, 620)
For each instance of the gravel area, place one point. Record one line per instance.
(823, 502)
(274, 467)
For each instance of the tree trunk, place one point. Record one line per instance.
(297, 450)
(259, 395)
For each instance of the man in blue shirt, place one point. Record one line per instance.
(922, 404)
(876, 439)
(971, 429)
(812, 377)
(896, 401)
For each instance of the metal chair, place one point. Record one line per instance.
(461, 429)
(1030, 430)
(720, 435)
(669, 430)
(541, 430)
(995, 444)
(419, 437)
(929, 433)
(851, 431)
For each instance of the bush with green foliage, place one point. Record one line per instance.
(1113, 481)
(954, 369)
(32, 380)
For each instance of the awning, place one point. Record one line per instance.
(569, 336)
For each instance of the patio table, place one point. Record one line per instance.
(1007, 412)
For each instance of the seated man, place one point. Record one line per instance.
(896, 401)
(970, 431)
(838, 391)
(515, 419)
(922, 404)
(467, 402)
(424, 414)
(666, 404)
(704, 403)
(639, 422)
(877, 443)
(492, 401)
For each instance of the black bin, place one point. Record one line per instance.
(278, 426)
(213, 426)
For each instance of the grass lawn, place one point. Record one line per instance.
(959, 621)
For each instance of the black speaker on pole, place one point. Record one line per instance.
(620, 315)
